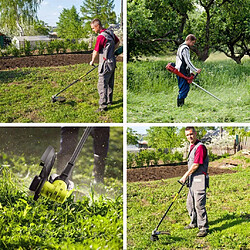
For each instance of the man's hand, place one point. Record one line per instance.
(183, 179)
(198, 71)
(91, 63)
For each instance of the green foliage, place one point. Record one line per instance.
(13, 13)
(11, 50)
(70, 24)
(86, 223)
(41, 46)
(27, 48)
(130, 159)
(21, 88)
(132, 137)
(152, 93)
(101, 9)
(227, 208)
(41, 27)
(163, 137)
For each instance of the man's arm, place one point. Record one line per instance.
(94, 55)
(186, 56)
(193, 168)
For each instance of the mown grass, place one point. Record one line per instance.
(88, 223)
(227, 207)
(152, 93)
(25, 95)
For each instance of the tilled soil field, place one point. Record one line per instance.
(46, 60)
(165, 172)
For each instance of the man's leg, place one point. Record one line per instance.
(68, 143)
(111, 88)
(200, 207)
(183, 90)
(100, 145)
(103, 88)
(191, 210)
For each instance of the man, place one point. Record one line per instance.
(197, 176)
(69, 141)
(106, 44)
(184, 65)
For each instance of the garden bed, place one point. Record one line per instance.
(46, 60)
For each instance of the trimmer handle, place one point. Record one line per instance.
(185, 183)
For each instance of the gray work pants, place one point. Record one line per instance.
(105, 88)
(196, 202)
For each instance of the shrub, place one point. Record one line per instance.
(41, 47)
(82, 46)
(130, 159)
(27, 48)
(139, 159)
(50, 48)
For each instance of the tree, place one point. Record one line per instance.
(163, 137)
(155, 25)
(41, 28)
(101, 9)
(13, 13)
(232, 32)
(70, 24)
(132, 137)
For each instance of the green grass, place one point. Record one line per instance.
(25, 95)
(152, 93)
(227, 207)
(88, 223)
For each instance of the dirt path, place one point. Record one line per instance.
(46, 60)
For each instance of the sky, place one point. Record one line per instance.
(50, 10)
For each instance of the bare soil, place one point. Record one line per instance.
(46, 60)
(221, 166)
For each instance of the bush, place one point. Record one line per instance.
(27, 48)
(50, 48)
(82, 46)
(11, 50)
(41, 47)
(130, 159)
(139, 159)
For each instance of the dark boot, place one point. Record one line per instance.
(180, 102)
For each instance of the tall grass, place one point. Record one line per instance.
(152, 93)
(85, 224)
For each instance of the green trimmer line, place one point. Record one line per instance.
(57, 189)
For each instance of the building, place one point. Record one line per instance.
(19, 41)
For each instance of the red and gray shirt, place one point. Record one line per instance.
(101, 41)
(198, 154)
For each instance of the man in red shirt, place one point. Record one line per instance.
(197, 181)
(106, 44)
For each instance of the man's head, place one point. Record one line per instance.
(191, 134)
(190, 40)
(96, 25)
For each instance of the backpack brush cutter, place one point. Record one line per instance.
(59, 188)
(171, 68)
(155, 233)
(58, 98)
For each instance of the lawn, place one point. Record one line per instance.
(25, 95)
(227, 207)
(152, 92)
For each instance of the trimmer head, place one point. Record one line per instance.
(154, 235)
(58, 99)
(54, 189)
